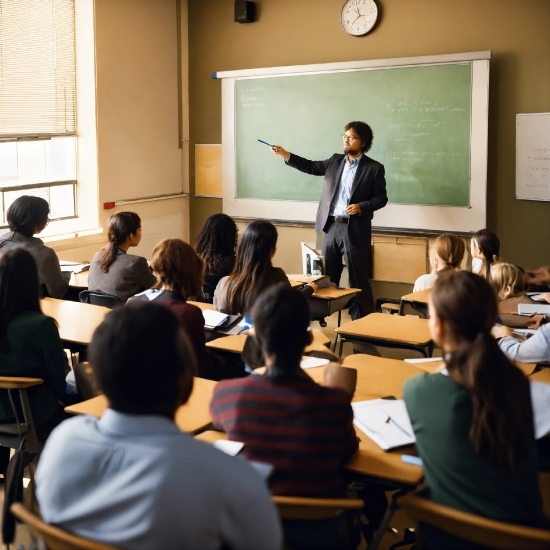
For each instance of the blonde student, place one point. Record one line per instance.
(508, 281)
(447, 252)
(485, 250)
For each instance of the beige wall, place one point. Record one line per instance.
(139, 154)
(293, 32)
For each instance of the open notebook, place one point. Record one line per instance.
(385, 421)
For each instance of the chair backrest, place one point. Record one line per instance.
(85, 380)
(98, 298)
(314, 508)
(54, 537)
(476, 529)
(13, 434)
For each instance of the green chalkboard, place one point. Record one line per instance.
(420, 117)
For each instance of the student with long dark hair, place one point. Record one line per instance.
(29, 345)
(113, 270)
(28, 216)
(485, 250)
(253, 272)
(474, 424)
(216, 245)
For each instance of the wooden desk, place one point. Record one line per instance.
(234, 343)
(79, 281)
(418, 299)
(541, 376)
(191, 417)
(326, 301)
(201, 305)
(381, 329)
(295, 284)
(76, 321)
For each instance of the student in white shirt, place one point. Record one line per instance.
(447, 252)
(485, 250)
(132, 479)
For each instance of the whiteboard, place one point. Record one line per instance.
(533, 156)
(393, 216)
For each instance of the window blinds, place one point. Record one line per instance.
(37, 68)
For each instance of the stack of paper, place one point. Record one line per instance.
(385, 421)
(213, 318)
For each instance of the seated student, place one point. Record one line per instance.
(447, 253)
(474, 425)
(281, 415)
(28, 216)
(29, 345)
(535, 349)
(253, 272)
(179, 271)
(132, 479)
(507, 280)
(113, 270)
(485, 250)
(216, 245)
(538, 280)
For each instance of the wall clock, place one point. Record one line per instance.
(359, 16)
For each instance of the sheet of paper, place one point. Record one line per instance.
(232, 448)
(213, 318)
(312, 362)
(372, 417)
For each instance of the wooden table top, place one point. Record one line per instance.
(541, 376)
(331, 293)
(76, 321)
(191, 417)
(79, 280)
(201, 305)
(393, 328)
(420, 296)
(234, 343)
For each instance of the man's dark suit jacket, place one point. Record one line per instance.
(368, 191)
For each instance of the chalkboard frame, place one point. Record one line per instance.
(393, 216)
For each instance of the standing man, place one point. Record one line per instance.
(353, 189)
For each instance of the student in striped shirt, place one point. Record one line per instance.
(285, 418)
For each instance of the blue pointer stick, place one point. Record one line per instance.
(265, 142)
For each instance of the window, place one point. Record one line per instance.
(38, 149)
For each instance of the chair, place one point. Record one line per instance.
(85, 380)
(54, 538)
(21, 433)
(476, 529)
(98, 298)
(316, 509)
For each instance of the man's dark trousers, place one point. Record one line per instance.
(336, 244)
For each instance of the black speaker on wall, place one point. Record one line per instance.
(245, 12)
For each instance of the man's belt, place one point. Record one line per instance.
(338, 219)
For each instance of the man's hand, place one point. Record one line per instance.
(280, 152)
(538, 276)
(353, 209)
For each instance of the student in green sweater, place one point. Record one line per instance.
(29, 345)
(474, 422)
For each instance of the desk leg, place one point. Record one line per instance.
(392, 508)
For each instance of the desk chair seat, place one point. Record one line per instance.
(99, 298)
(304, 509)
(476, 529)
(54, 538)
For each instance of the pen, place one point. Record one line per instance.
(265, 142)
(390, 419)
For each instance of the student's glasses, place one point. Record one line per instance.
(349, 138)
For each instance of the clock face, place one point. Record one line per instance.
(359, 16)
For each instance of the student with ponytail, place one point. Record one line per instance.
(485, 249)
(447, 252)
(113, 270)
(474, 422)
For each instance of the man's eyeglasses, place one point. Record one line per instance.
(348, 138)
